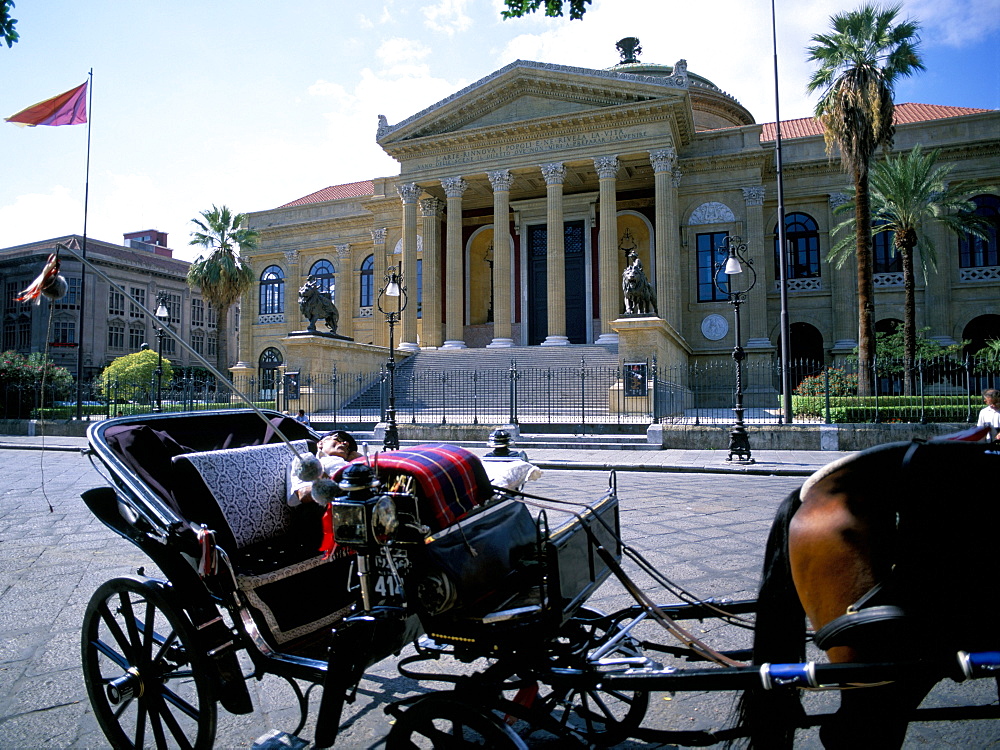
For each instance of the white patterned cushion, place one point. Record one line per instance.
(249, 486)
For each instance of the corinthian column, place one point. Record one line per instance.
(430, 323)
(345, 290)
(843, 291)
(454, 320)
(756, 305)
(409, 193)
(500, 180)
(667, 248)
(555, 258)
(607, 249)
(380, 335)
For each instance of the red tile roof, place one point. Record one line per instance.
(905, 113)
(335, 192)
(800, 128)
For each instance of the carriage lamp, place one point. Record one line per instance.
(393, 289)
(731, 270)
(162, 315)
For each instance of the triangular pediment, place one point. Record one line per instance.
(528, 91)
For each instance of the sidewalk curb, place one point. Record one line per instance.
(755, 470)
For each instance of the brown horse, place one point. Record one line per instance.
(881, 552)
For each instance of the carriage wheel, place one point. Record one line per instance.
(606, 716)
(441, 721)
(148, 686)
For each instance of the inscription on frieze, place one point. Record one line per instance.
(508, 151)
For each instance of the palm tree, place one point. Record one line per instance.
(223, 274)
(858, 64)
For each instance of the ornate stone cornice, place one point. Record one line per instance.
(431, 207)
(378, 236)
(753, 195)
(554, 173)
(500, 180)
(606, 166)
(663, 160)
(409, 192)
(291, 255)
(454, 187)
(343, 250)
(838, 199)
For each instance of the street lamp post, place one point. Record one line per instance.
(163, 315)
(393, 288)
(733, 253)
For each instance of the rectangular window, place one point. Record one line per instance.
(116, 337)
(198, 342)
(174, 307)
(211, 347)
(23, 334)
(708, 246)
(116, 303)
(136, 338)
(197, 313)
(139, 295)
(211, 316)
(884, 253)
(9, 336)
(64, 332)
(10, 292)
(70, 300)
(169, 345)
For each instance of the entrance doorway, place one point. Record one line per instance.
(574, 240)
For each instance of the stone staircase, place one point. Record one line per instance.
(482, 376)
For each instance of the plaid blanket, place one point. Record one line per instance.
(450, 480)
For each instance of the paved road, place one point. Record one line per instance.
(705, 531)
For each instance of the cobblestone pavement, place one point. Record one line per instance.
(704, 531)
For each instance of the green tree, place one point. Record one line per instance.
(859, 62)
(133, 372)
(223, 274)
(518, 8)
(907, 192)
(21, 378)
(7, 23)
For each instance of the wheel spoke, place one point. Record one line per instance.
(140, 725)
(175, 700)
(175, 729)
(119, 659)
(109, 619)
(128, 615)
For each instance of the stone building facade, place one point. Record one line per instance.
(520, 198)
(112, 325)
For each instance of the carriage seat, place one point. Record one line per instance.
(254, 525)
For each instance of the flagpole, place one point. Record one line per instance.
(786, 344)
(83, 252)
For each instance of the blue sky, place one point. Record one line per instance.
(253, 104)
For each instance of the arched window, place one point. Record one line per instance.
(975, 252)
(802, 235)
(884, 254)
(268, 363)
(324, 273)
(272, 291)
(368, 281)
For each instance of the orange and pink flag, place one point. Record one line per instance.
(69, 108)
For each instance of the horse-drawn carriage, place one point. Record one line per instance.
(428, 554)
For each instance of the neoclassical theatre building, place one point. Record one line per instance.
(521, 199)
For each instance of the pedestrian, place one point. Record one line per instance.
(301, 417)
(500, 441)
(989, 416)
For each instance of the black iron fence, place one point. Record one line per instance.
(940, 390)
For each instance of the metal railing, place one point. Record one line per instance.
(940, 390)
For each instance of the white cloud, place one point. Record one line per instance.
(447, 17)
(400, 50)
(39, 216)
(956, 22)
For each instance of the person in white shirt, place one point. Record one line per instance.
(334, 450)
(990, 414)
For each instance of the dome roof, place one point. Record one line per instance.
(712, 107)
